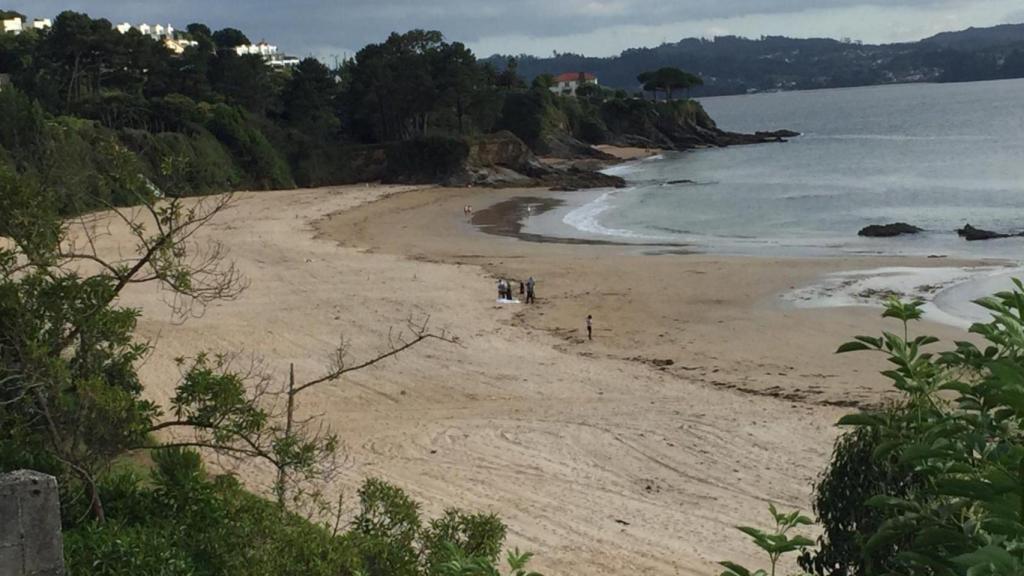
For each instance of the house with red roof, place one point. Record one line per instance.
(567, 83)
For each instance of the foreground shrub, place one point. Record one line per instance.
(184, 522)
(934, 486)
(853, 476)
(961, 435)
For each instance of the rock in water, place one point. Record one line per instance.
(970, 233)
(888, 230)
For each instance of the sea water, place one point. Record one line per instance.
(937, 156)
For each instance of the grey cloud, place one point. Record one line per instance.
(308, 26)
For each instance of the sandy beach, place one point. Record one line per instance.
(701, 398)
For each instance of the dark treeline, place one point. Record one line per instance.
(88, 108)
(91, 111)
(735, 65)
(87, 96)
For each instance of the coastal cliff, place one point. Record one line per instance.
(569, 128)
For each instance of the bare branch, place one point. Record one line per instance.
(396, 345)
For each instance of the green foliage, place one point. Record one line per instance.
(667, 80)
(184, 522)
(853, 476)
(225, 38)
(457, 535)
(531, 116)
(957, 434)
(775, 543)
(462, 565)
(258, 159)
(414, 84)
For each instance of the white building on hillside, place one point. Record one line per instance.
(261, 49)
(42, 23)
(159, 32)
(13, 25)
(269, 53)
(567, 83)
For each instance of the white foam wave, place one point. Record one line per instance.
(949, 292)
(586, 218)
(631, 166)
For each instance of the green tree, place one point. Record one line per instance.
(309, 99)
(668, 80)
(545, 81)
(393, 87)
(243, 80)
(229, 38)
(509, 78)
(459, 78)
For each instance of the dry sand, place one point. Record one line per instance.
(627, 152)
(598, 460)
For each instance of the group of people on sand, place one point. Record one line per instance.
(467, 210)
(526, 290)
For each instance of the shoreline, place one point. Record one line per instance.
(508, 218)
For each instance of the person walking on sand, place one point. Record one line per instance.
(522, 291)
(501, 288)
(529, 291)
(590, 327)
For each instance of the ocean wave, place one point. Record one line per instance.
(585, 218)
(631, 166)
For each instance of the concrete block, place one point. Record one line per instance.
(30, 534)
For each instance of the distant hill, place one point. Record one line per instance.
(979, 38)
(736, 65)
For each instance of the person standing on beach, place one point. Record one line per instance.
(522, 290)
(590, 327)
(529, 291)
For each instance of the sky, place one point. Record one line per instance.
(331, 29)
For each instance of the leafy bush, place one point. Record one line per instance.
(853, 476)
(263, 167)
(934, 486)
(185, 523)
(961, 435)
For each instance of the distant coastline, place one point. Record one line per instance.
(970, 55)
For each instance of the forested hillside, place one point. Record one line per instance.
(735, 65)
(92, 112)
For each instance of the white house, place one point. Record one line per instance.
(269, 53)
(16, 25)
(13, 25)
(261, 49)
(283, 61)
(567, 83)
(123, 27)
(144, 29)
